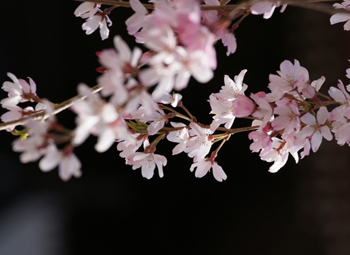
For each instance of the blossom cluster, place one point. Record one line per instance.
(137, 108)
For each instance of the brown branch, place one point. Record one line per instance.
(43, 115)
(306, 4)
(151, 6)
(310, 5)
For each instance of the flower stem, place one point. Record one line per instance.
(177, 114)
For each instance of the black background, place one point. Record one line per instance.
(111, 209)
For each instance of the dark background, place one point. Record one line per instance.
(302, 209)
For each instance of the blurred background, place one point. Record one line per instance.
(111, 209)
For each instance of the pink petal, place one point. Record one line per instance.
(339, 17)
(219, 173)
(316, 141)
(322, 115)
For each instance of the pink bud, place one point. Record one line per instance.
(242, 106)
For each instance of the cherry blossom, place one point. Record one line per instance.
(173, 99)
(171, 31)
(128, 147)
(222, 102)
(266, 8)
(135, 22)
(19, 91)
(288, 117)
(289, 77)
(86, 10)
(34, 146)
(199, 143)
(136, 100)
(342, 17)
(181, 137)
(98, 20)
(317, 128)
(212, 19)
(121, 65)
(15, 113)
(223, 111)
(264, 111)
(341, 96)
(261, 141)
(204, 165)
(233, 88)
(242, 106)
(100, 118)
(147, 161)
(68, 164)
(278, 154)
(229, 40)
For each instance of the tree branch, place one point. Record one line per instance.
(306, 4)
(43, 115)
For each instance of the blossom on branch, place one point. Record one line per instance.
(19, 91)
(342, 17)
(147, 161)
(87, 10)
(222, 103)
(137, 90)
(266, 8)
(204, 165)
(68, 164)
(95, 18)
(99, 118)
(316, 128)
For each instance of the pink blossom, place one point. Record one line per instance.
(121, 65)
(157, 123)
(18, 91)
(342, 132)
(15, 113)
(199, 143)
(68, 164)
(266, 8)
(157, 119)
(232, 89)
(135, 22)
(316, 128)
(128, 147)
(288, 118)
(147, 162)
(99, 20)
(278, 154)
(97, 117)
(182, 47)
(223, 112)
(34, 146)
(342, 17)
(222, 103)
(242, 106)
(181, 137)
(341, 96)
(172, 99)
(86, 10)
(212, 20)
(289, 78)
(229, 40)
(264, 111)
(204, 165)
(261, 141)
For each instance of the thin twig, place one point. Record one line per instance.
(43, 115)
(306, 4)
(242, 5)
(310, 5)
